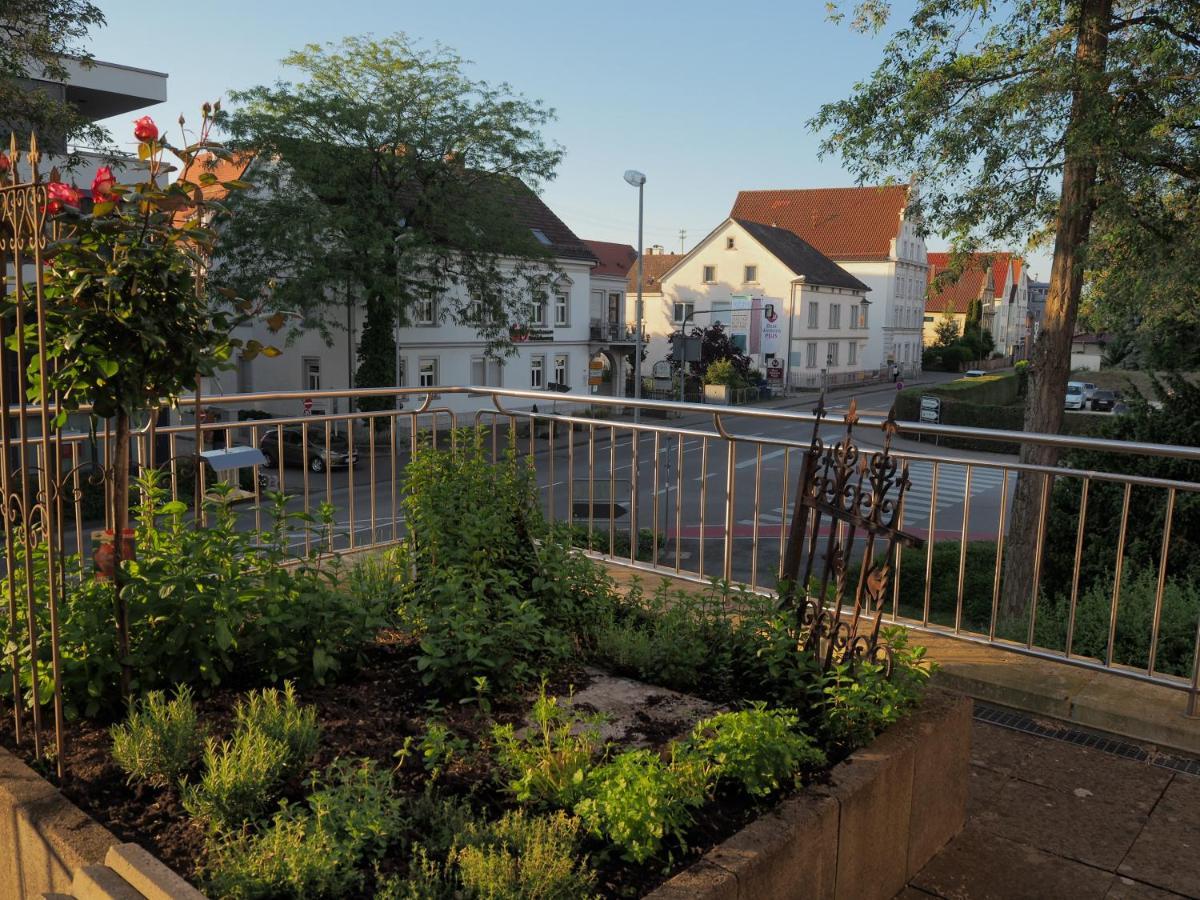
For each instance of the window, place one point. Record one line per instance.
(427, 373)
(853, 316)
(560, 368)
(614, 307)
(681, 312)
(245, 375)
(561, 305)
(485, 371)
(540, 236)
(710, 274)
(729, 244)
(751, 274)
(928, 319)
(831, 355)
(813, 313)
(312, 373)
(835, 315)
(811, 361)
(537, 312)
(862, 322)
(426, 311)
(852, 353)
(537, 377)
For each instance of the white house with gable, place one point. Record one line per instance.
(869, 232)
(792, 310)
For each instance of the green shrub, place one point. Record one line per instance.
(523, 856)
(637, 802)
(758, 748)
(277, 715)
(549, 764)
(439, 748)
(160, 739)
(241, 779)
(978, 580)
(495, 593)
(352, 817)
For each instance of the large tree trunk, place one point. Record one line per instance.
(120, 489)
(1052, 354)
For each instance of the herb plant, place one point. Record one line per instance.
(160, 740)
(758, 748)
(277, 715)
(241, 779)
(525, 856)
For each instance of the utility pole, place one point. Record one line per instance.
(682, 239)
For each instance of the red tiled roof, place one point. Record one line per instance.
(654, 266)
(615, 259)
(1000, 266)
(974, 280)
(843, 223)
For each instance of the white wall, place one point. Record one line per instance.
(450, 346)
(1088, 360)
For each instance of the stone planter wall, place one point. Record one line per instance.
(886, 811)
(48, 846)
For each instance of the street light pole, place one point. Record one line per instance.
(638, 180)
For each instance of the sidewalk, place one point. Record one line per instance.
(1048, 818)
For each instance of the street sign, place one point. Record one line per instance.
(931, 409)
(308, 406)
(691, 347)
(775, 370)
(662, 369)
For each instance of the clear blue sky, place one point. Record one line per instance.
(707, 98)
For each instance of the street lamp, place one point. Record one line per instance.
(638, 180)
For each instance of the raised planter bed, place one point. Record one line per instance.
(887, 809)
(884, 812)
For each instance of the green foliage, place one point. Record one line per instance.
(352, 817)
(241, 779)
(377, 356)
(361, 130)
(945, 330)
(207, 606)
(277, 715)
(615, 543)
(160, 739)
(862, 700)
(758, 748)
(722, 371)
(439, 747)
(638, 803)
(549, 764)
(978, 582)
(717, 347)
(485, 599)
(522, 856)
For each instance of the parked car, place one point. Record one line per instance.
(1075, 395)
(974, 373)
(336, 455)
(1088, 390)
(1105, 401)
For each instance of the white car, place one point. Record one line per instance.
(1076, 395)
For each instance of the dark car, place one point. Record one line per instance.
(1104, 401)
(319, 455)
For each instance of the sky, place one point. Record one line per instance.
(706, 98)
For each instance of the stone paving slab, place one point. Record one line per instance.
(1048, 818)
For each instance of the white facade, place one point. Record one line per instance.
(897, 299)
(1011, 311)
(730, 263)
(438, 354)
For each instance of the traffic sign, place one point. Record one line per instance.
(308, 406)
(931, 409)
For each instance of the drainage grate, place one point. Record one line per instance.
(1007, 718)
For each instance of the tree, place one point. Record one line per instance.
(377, 355)
(387, 176)
(1034, 117)
(716, 345)
(946, 328)
(37, 36)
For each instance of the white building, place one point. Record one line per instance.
(99, 90)
(790, 308)
(868, 232)
(1012, 334)
(552, 347)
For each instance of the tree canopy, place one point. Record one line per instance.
(36, 36)
(385, 172)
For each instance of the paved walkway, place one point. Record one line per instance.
(1050, 819)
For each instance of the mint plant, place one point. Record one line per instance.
(758, 748)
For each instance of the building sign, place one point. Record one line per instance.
(741, 322)
(520, 334)
(770, 328)
(775, 371)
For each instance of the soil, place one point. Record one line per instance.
(370, 715)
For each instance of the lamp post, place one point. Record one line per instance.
(637, 180)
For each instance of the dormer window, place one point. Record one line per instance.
(541, 236)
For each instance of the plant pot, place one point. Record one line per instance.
(105, 557)
(716, 393)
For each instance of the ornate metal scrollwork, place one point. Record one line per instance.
(841, 549)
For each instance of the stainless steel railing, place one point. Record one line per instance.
(710, 497)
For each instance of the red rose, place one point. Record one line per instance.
(102, 184)
(145, 130)
(61, 195)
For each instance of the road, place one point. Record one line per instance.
(686, 492)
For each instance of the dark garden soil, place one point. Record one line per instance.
(368, 715)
